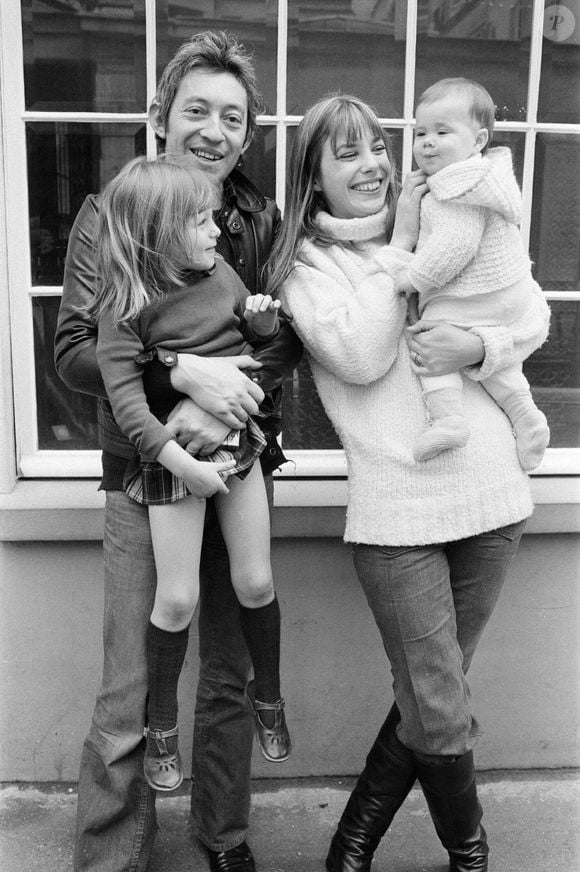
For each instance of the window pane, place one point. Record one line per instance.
(66, 420)
(555, 230)
(259, 162)
(554, 374)
(254, 24)
(65, 163)
(353, 46)
(559, 99)
(488, 42)
(84, 56)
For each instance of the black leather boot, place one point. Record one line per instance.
(380, 791)
(451, 795)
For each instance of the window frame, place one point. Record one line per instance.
(300, 480)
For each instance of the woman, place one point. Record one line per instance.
(431, 542)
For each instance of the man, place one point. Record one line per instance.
(205, 115)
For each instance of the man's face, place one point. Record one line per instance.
(207, 124)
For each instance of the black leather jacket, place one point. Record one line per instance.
(249, 223)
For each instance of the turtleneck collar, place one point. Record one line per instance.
(353, 229)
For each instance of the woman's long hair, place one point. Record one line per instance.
(142, 237)
(335, 117)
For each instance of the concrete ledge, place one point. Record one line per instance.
(49, 510)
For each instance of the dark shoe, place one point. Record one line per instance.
(451, 794)
(274, 741)
(163, 769)
(238, 859)
(381, 789)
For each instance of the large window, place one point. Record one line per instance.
(77, 77)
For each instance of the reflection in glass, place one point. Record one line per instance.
(555, 237)
(559, 99)
(488, 42)
(554, 374)
(254, 25)
(86, 55)
(66, 420)
(352, 46)
(65, 163)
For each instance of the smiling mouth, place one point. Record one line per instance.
(206, 155)
(368, 187)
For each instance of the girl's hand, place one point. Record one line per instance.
(204, 479)
(406, 229)
(438, 348)
(262, 313)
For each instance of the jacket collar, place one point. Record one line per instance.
(240, 192)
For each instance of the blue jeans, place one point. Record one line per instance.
(431, 604)
(116, 809)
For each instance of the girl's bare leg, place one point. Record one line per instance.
(176, 533)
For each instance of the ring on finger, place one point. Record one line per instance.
(417, 359)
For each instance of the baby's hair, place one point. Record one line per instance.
(479, 103)
(142, 236)
(333, 117)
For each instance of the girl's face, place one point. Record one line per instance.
(203, 233)
(445, 133)
(354, 177)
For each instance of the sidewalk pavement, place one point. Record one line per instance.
(532, 819)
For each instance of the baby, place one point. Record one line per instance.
(470, 267)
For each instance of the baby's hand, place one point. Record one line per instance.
(403, 286)
(262, 313)
(204, 479)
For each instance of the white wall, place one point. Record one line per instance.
(525, 677)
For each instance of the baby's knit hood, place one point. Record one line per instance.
(486, 181)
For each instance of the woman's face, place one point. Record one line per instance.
(354, 177)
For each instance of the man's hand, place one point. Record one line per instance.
(195, 429)
(438, 348)
(219, 385)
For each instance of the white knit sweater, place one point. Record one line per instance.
(351, 323)
(470, 266)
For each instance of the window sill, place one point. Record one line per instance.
(48, 510)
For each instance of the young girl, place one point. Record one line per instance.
(162, 290)
(431, 542)
(470, 268)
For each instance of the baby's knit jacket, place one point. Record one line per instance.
(469, 242)
(351, 322)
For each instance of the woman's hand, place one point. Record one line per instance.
(406, 229)
(438, 348)
(219, 385)
(195, 429)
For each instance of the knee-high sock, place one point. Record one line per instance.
(165, 656)
(261, 629)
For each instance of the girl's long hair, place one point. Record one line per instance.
(332, 118)
(142, 236)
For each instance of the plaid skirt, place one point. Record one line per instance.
(151, 484)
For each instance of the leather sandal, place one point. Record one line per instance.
(274, 742)
(164, 770)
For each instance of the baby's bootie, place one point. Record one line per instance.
(449, 427)
(162, 764)
(530, 428)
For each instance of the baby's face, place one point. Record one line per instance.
(445, 133)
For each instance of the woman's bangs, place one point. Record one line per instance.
(353, 123)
